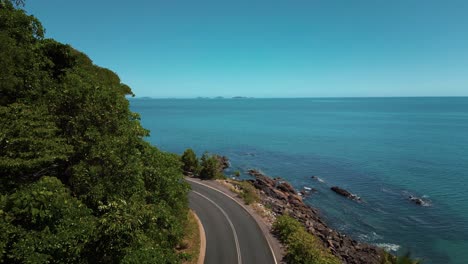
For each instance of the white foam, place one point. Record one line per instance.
(318, 179)
(370, 237)
(389, 247)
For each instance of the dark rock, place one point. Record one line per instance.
(281, 197)
(345, 193)
(306, 191)
(286, 187)
(418, 201)
(223, 162)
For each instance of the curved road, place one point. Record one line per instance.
(232, 235)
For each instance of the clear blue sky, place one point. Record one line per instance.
(270, 48)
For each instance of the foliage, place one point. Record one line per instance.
(31, 144)
(248, 192)
(42, 222)
(210, 168)
(190, 161)
(302, 247)
(190, 246)
(78, 182)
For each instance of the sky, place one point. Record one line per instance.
(270, 48)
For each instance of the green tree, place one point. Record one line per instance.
(210, 168)
(43, 223)
(31, 145)
(79, 184)
(190, 161)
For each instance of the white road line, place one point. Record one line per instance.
(241, 205)
(236, 240)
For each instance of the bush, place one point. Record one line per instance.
(302, 247)
(190, 161)
(210, 168)
(248, 192)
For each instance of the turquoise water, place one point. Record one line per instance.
(382, 149)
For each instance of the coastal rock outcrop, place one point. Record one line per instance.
(223, 162)
(282, 198)
(345, 193)
(418, 201)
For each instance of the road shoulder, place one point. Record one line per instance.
(201, 231)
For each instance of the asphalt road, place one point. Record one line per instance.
(232, 235)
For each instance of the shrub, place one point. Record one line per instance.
(190, 161)
(248, 192)
(302, 247)
(210, 167)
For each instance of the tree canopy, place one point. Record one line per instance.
(78, 182)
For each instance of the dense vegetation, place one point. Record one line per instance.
(301, 246)
(78, 183)
(190, 162)
(208, 168)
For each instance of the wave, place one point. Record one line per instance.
(389, 247)
(370, 237)
(318, 179)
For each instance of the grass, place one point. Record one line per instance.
(245, 190)
(190, 246)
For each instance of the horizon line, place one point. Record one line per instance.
(295, 97)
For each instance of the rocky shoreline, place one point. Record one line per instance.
(282, 198)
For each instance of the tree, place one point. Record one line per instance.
(43, 223)
(210, 168)
(30, 143)
(190, 161)
(79, 184)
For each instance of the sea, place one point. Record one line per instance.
(382, 149)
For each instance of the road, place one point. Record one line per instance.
(232, 235)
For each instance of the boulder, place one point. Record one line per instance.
(281, 197)
(345, 193)
(223, 162)
(417, 200)
(286, 187)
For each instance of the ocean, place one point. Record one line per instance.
(381, 149)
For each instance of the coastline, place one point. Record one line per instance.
(279, 197)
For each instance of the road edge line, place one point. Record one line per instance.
(201, 230)
(243, 207)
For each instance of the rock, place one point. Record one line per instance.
(307, 191)
(417, 200)
(345, 193)
(255, 173)
(223, 162)
(286, 187)
(281, 197)
(317, 179)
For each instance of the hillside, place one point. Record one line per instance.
(78, 182)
